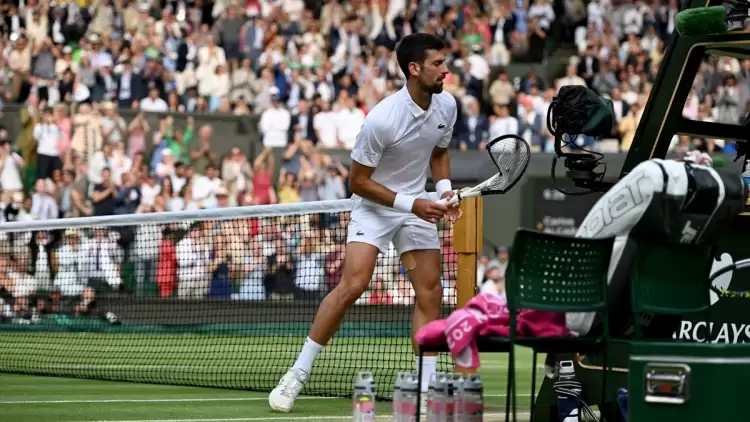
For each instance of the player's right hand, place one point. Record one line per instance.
(427, 210)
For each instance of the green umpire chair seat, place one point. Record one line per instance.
(554, 273)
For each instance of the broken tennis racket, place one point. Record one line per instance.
(511, 155)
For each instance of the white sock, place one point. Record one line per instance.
(307, 356)
(429, 366)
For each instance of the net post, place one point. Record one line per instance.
(467, 242)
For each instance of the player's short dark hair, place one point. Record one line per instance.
(415, 47)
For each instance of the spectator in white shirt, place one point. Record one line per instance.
(165, 168)
(146, 252)
(149, 190)
(104, 259)
(632, 19)
(71, 262)
(478, 66)
(349, 123)
(310, 272)
(571, 78)
(495, 282)
(206, 187)
(275, 122)
(153, 103)
(543, 10)
(10, 172)
(178, 178)
(504, 124)
(192, 270)
(47, 135)
(324, 124)
(43, 205)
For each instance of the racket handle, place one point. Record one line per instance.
(458, 197)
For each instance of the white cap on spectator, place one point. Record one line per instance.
(143, 7)
(67, 49)
(273, 91)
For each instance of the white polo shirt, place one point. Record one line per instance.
(325, 123)
(397, 139)
(274, 125)
(349, 123)
(47, 135)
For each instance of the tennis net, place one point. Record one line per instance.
(217, 298)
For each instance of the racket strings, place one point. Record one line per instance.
(510, 156)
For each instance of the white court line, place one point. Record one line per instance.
(217, 399)
(276, 418)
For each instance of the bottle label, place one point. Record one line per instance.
(436, 408)
(408, 411)
(450, 410)
(364, 411)
(473, 411)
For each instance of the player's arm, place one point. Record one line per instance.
(441, 170)
(439, 161)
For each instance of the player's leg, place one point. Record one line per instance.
(368, 235)
(418, 243)
(359, 265)
(424, 276)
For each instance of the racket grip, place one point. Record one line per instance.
(449, 201)
(458, 197)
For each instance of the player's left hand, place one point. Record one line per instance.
(454, 211)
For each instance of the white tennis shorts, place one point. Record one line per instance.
(378, 226)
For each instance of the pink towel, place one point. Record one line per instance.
(487, 314)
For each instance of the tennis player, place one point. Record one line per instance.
(402, 135)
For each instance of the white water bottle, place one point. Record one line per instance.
(436, 398)
(452, 398)
(458, 381)
(364, 398)
(407, 411)
(400, 378)
(471, 407)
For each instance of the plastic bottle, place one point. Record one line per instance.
(408, 409)
(471, 406)
(436, 398)
(400, 379)
(364, 398)
(452, 383)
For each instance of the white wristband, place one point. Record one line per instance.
(404, 202)
(442, 187)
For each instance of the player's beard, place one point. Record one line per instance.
(434, 88)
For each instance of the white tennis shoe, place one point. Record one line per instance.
(283, 396)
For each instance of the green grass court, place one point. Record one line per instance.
(231, 361)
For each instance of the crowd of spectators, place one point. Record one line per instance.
(310, 71)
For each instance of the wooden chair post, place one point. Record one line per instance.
(467, 242)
